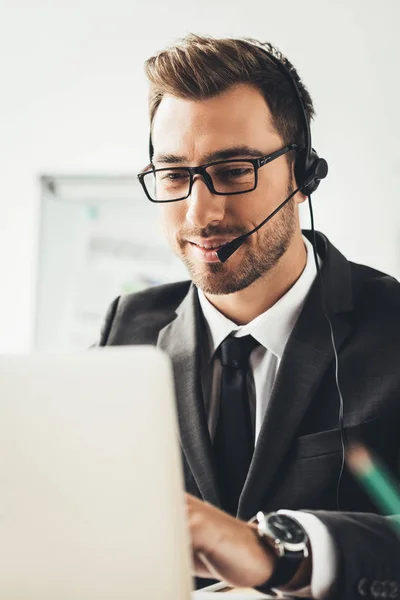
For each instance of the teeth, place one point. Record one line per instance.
(209, 247)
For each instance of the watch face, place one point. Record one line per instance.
(286, 529)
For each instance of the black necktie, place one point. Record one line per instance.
(234, 439)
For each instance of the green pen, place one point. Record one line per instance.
(376, 479)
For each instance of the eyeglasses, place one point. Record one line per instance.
(224, 177)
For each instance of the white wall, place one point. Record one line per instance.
(73, 99)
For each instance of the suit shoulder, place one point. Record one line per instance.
(164, 297)
(376, 302)
(375, 288)
(137, 318)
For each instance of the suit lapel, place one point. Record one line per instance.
(307, 356)
(180, 340)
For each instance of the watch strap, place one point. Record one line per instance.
(286, 568)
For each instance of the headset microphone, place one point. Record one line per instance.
(320, 171)
(226, 251)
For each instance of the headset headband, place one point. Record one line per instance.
(278, 62)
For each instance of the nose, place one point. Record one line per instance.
(204, 207)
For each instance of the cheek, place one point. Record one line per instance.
(249, 209)
(172, 217)
(274, 180)
(271, 191)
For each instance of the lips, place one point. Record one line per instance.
(206, 250)
(214, 245)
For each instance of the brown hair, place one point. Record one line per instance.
(199, 67)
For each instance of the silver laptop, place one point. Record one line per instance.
(91, 500)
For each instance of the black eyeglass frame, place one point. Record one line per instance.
(201, 170)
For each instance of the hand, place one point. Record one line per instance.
(225, 548)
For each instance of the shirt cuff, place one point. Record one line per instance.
(324, 556)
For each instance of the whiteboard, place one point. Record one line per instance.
(99, 237)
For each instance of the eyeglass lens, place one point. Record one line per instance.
(173, 184)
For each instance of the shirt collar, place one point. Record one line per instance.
(272, 328)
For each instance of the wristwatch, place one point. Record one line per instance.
(288, 540)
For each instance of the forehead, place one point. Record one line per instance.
(194, 128)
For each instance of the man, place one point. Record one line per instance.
(254, 366)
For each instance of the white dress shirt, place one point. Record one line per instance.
(272, 330)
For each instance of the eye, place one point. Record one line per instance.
(239, 171)
(233, 171)
(173, 175)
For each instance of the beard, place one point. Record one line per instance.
(261, 254)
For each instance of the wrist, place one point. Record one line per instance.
(270, 560)
(241, 558)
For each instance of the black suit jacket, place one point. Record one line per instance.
(298, 456)
(368, 549)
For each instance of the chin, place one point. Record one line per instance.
(219, 279)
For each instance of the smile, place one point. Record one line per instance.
(206, 252)
(210, 246)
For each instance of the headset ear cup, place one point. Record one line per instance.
(300, 168)
(309, 167)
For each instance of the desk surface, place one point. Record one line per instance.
(220, 590)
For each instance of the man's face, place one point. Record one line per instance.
(196, 133)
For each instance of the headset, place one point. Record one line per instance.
(309, 169)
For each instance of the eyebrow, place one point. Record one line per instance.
(234, 152)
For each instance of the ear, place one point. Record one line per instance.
(298, 198)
